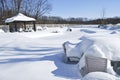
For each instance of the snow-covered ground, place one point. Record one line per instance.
(39, 55)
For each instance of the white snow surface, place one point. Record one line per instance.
(39, 55)
(1, 30)
(99, 76)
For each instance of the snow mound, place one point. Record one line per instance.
(99, 76)
(88, 31)
(101, 46)
(1, 30)
(115, 32)
(39, 34)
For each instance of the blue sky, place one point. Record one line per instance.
(85, 8)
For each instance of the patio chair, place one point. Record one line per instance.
(67, 47)
(94, 64)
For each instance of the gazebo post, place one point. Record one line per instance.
(34, 26)
(8, 26)
(25, 25)
(15, 26)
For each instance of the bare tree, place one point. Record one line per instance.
(27, 7)
(103, 16)
(41, 8)
(37, 8)
(2, 6)
(3, 9)
(17, 5)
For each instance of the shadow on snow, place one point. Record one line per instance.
(88, 31)
(63, 69)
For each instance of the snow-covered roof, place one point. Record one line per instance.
(19, 17)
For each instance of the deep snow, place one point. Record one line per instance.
(39, 55)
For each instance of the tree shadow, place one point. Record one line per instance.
(28, 51)
(63, 70)
(36, 49)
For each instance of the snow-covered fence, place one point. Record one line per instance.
(67, 25)
(84, 26)
(52, 25)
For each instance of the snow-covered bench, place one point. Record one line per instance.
(72, 53)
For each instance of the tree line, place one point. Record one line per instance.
(59, 20)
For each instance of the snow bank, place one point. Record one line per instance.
(110, 27)
(1, 30)
(102, 46)
(43, 33)
(99, 76)
(39, 34)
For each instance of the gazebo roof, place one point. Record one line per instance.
(19, 17)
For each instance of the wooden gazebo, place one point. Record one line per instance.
(19, 21)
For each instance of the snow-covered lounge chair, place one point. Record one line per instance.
(71, 53)
(94, 64)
